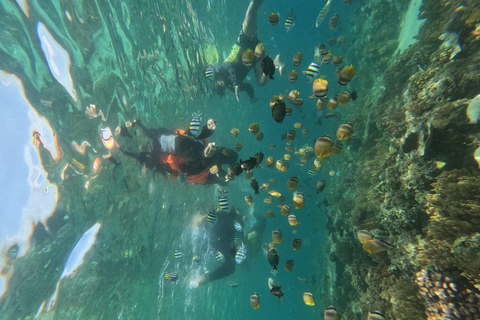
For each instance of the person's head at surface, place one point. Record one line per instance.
(184, 145)
(224, 78)
(220, 87)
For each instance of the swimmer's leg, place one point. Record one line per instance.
(248, 88)
(153, 134)
(219, 158)
(261, 77)
(249, 26)
(141, 157)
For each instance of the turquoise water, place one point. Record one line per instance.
(146, 60)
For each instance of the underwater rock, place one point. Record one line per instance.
(417, 138)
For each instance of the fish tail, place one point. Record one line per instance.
(256, 192)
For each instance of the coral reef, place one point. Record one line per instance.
(415, 180)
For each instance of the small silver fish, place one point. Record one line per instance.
(323, 13)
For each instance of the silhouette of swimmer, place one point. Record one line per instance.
(222, 238)
(231, 73)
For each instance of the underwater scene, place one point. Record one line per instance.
(220, 159)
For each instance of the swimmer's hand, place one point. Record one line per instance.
(210, 150)
(201, 280)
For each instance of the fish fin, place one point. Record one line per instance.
(256, 192)
(259, 166)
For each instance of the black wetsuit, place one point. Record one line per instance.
(232, 71)
(222, 238)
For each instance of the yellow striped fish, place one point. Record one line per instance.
(290, 22)
(195, 124)
(222, 200)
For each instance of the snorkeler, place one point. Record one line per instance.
(186, 156)
(226, 237)
(247, 52)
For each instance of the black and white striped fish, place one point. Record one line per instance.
(178, 254)
(195, 124)
(290, 22)
(212, 216)
(219, 256)
(238, 239)
(222, 200)
(238, 226)
(312, 71)
(182, 178)
(209, 72)
(241, 254)
(171, 277)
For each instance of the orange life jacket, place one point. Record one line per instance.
(175, 161)
(200, 178)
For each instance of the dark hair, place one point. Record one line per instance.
(220, 89)
(183, 145)
(223, 74)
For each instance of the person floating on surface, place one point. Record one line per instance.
(245, 54)
(183, 155)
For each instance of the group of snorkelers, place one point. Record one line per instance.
(189, 157)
